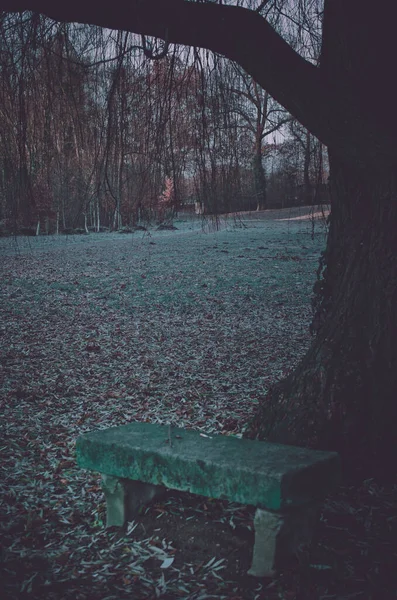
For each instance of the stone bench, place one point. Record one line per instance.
(138, 461)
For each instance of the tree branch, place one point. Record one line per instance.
(235, 32)
(244, 36)
(261, 6)
(275, 127)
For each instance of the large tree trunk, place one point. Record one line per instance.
(343, 395)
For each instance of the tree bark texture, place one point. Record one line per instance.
(343, 395)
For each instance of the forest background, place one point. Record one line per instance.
(96, 134)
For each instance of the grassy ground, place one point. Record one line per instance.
(188, 327)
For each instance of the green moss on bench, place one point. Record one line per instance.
(262, 474)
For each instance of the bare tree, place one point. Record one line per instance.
(262, 117)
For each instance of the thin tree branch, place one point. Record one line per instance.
(276, 127)
(262, 6)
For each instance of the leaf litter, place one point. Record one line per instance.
(188, 328)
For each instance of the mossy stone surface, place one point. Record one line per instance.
(262, 474)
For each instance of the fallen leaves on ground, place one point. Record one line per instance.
(184, 327)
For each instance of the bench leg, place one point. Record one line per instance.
(280, 535)
(124, 498)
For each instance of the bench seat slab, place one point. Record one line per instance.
(265, 475)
